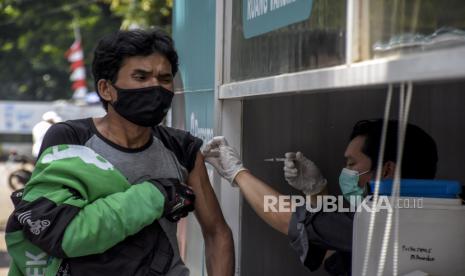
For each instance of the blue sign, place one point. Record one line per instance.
(194, 35)
(262, 16)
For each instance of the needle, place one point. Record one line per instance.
(276, 159)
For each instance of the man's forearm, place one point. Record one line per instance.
(254, 191)
(219, 251)
(219, 246)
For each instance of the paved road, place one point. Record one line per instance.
(5, 204)
(4, 258)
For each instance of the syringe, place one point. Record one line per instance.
(275, 159)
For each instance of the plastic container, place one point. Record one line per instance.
(431, 238)
(421, 188)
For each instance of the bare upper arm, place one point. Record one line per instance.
(207, 208)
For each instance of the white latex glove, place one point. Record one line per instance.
(223, 158)
(302, 174)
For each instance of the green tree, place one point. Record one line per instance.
(143, 13)
(36, 34)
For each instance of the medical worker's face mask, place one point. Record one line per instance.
(348, 181)
(143, 106)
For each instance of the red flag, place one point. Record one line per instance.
(75, 56)
(76, 65)
(79, 84)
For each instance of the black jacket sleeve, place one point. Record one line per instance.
(183, 144)
(312, 234)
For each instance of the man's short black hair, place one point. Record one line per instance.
(420, 155)
(114, 48)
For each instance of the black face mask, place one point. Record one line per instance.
(143, 106)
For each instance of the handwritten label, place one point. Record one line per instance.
(419, 253)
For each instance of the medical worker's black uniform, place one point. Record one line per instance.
(312, 234)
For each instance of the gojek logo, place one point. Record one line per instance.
(86, 154)
(34, 226)
(36, 264)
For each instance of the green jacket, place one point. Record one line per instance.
(76, 204)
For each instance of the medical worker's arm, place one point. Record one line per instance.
(226, 161)
(259, 195)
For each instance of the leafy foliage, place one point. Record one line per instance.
(36, 34)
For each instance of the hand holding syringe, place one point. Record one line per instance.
(301, 173)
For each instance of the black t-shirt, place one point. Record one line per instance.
(79, 132)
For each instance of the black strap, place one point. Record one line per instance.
(16, 197)
(163, 254)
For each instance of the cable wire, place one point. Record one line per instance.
(371, 225)
(404, 108)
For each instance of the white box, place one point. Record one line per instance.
(431, 238)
